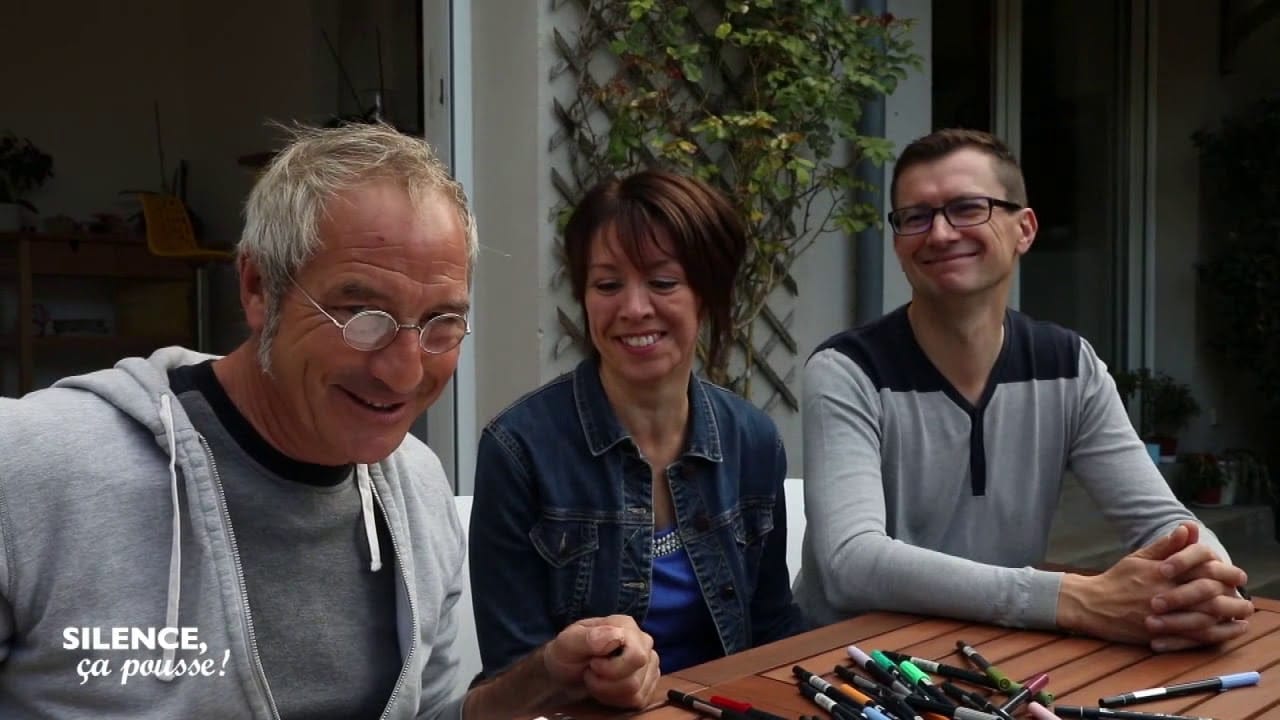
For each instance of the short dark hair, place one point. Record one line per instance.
(940, 143)
(707, 238)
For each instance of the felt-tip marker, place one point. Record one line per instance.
(701, 706)
(947, 671)
(888, 698)
(922, 681)
(1002, 681)
(1033, 686)
(746, 709)
(878, 673)
(1217, 684)
(973, 700)
(836, 694)
(835, 709)
(1074, 711)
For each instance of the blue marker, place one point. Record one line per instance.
(1217, 684)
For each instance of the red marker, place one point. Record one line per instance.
(745, 709)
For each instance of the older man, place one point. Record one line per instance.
(257, 536)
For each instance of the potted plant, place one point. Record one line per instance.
(1205, 481)
(762, 100)
(1166, 405)
(23, 168)
(1171, 407)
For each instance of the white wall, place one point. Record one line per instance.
(510, 102)
(908, 116)
(1192, 95)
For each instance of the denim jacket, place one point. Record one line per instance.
(562, 521)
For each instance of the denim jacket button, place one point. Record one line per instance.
(701, 523)
(727, 591)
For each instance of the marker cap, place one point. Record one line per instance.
(858, 656)
(1243, 679)
(913, 673)
(882, 660)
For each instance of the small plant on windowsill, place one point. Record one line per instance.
(1232, 476)
(23, 168)
(1166, 405)
(1203, 481)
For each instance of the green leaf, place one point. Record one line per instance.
(766, 107)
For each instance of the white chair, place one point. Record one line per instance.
(467, 645)
(794, 489)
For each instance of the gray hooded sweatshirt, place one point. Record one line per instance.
(113, 528)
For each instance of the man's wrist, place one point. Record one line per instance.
(1072, 603)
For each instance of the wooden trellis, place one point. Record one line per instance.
(758, 335)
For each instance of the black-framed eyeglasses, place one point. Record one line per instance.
(961, 213)
(370, 330)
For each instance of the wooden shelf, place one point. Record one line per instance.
(26, 256)
(122, 344)
(89, 256)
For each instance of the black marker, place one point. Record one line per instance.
(878, 673)
(893, 702)
(690, 702)
(974, 700)
(1217, 684)
(833, 692)
(1002, 681)
(949, 671)
(837, 711)
(1074, 711)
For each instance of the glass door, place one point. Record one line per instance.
(1072, 113)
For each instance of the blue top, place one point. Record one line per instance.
(678, 618)
(562, 522)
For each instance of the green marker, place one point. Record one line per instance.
(922, 680)
(1001, 680)
(883, 661)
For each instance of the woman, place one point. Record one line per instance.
(630, 486)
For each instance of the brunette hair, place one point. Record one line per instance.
(705, 235)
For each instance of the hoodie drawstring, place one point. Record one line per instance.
(365, 486)
(175, 549)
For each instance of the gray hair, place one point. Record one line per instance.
(283, 213)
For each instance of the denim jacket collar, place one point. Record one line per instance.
(602, 430)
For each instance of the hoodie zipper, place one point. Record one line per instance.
(413, 608)
(258, 673)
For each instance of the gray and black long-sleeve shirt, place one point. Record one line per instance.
(918, 500)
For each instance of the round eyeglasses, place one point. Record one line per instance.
(961, 213)
(370, 330)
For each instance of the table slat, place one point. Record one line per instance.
(767, 657)
(823, 663)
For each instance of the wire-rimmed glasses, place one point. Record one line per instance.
(370, 330)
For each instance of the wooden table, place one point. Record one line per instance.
(1080, 669)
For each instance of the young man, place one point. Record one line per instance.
(936, 439)
(258, 536)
